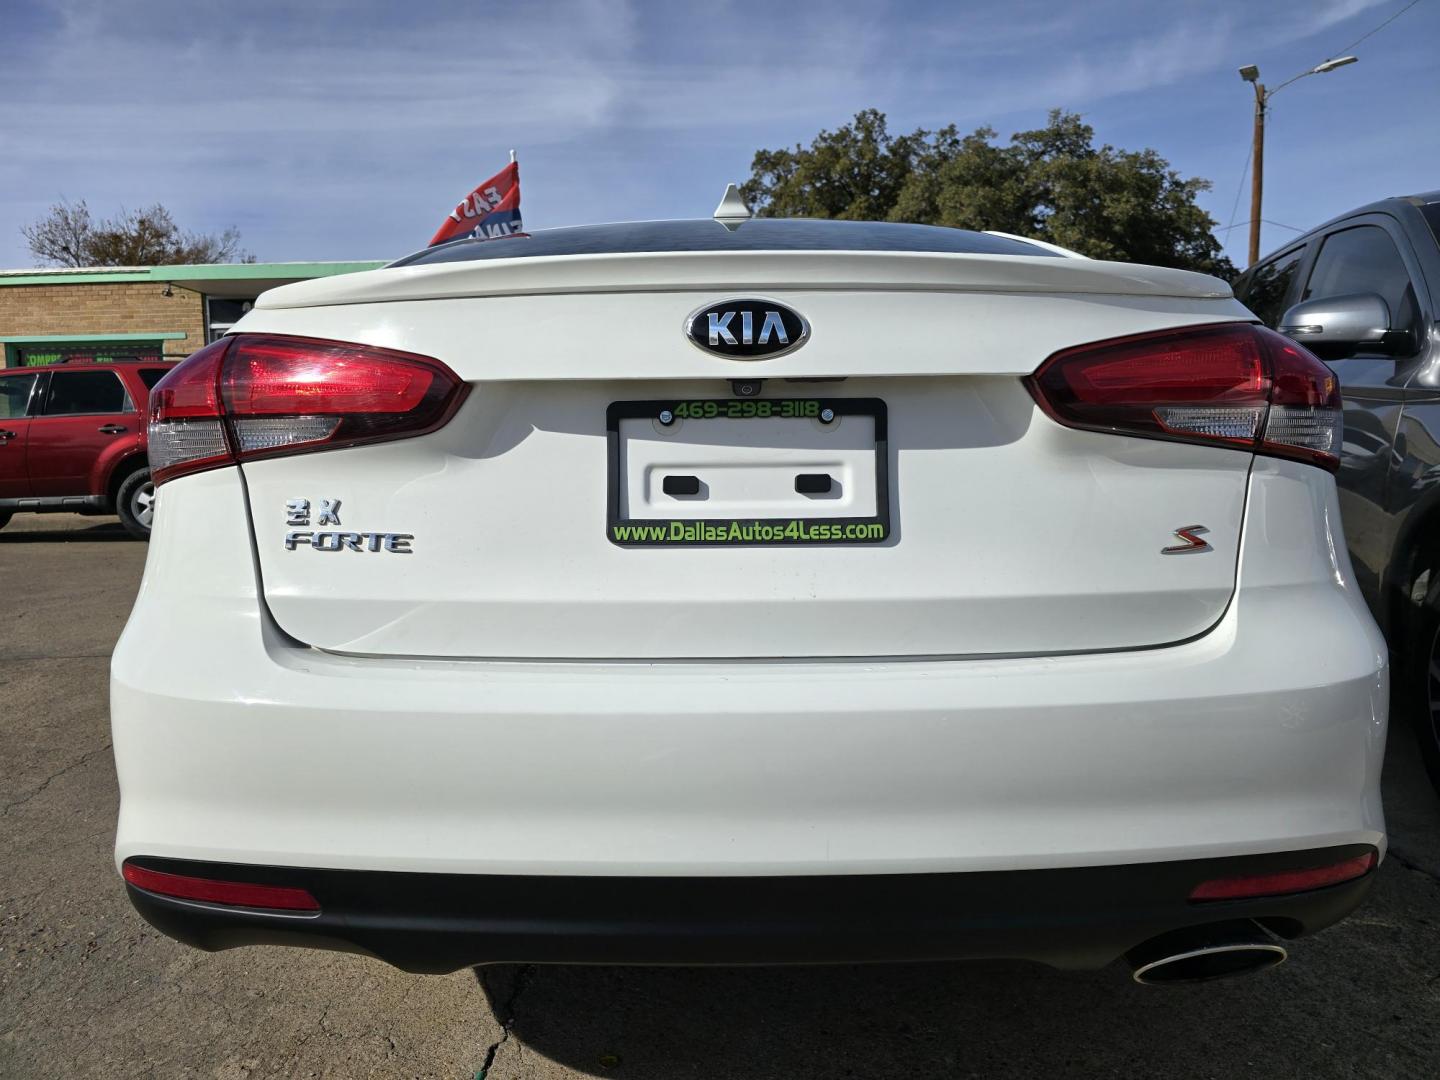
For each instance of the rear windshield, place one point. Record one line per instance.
(758, 234)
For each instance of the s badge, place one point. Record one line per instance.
(1193, 544)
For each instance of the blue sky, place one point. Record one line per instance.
(329, 130)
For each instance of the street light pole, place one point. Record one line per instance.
(1251, 74)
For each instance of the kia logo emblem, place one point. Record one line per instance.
(747, 328)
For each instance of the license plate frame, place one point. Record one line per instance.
(802, 531)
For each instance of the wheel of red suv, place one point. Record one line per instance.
(135, 503)
(5, 517)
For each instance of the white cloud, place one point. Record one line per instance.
(1080, 78)
(1330, 12)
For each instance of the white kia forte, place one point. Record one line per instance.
(769, 591)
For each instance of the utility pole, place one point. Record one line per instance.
(1251, 74)
(1257, 173)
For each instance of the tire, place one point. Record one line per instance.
(1421, 696)
(5, 516)
(135, 503)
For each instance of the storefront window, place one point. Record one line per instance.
(99, 352)
(222, 313)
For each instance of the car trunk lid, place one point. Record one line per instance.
(1003, 533)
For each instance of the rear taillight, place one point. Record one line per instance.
(1232, 385)
(256, 395)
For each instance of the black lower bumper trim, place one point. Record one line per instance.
(1078, 918)
(57, 504)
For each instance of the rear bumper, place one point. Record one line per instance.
(448, 813)
(235, 744)
(1081, 917)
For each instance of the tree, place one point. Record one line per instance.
(67, 236)
(1052, 184)
(62, 236)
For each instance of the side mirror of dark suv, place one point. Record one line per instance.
(1339, 326)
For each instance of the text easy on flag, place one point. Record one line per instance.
(491, 210)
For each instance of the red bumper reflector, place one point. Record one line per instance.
(1286, 881)
(237, 893)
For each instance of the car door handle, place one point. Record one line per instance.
(114, 429)
(7, 434)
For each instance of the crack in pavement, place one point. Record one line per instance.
(507, 1022)
(1409, 863)
(83, 759)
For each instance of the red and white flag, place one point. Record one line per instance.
(491, 210)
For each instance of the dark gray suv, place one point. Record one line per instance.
(1362, 292)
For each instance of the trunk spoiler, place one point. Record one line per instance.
(748, 270)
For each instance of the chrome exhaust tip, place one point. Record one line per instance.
(1203, 953)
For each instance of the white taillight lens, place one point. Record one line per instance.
(278, 432)
(260, 395)
(1234, 422)
(175, 444)
(1316, 431)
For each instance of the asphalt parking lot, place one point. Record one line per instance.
(88, 990)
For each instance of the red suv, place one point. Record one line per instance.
(72, 438)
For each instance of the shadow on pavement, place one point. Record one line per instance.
(1357, 1000)
(950, 1020)
(105, 531)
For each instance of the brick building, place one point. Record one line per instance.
(146, 312)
